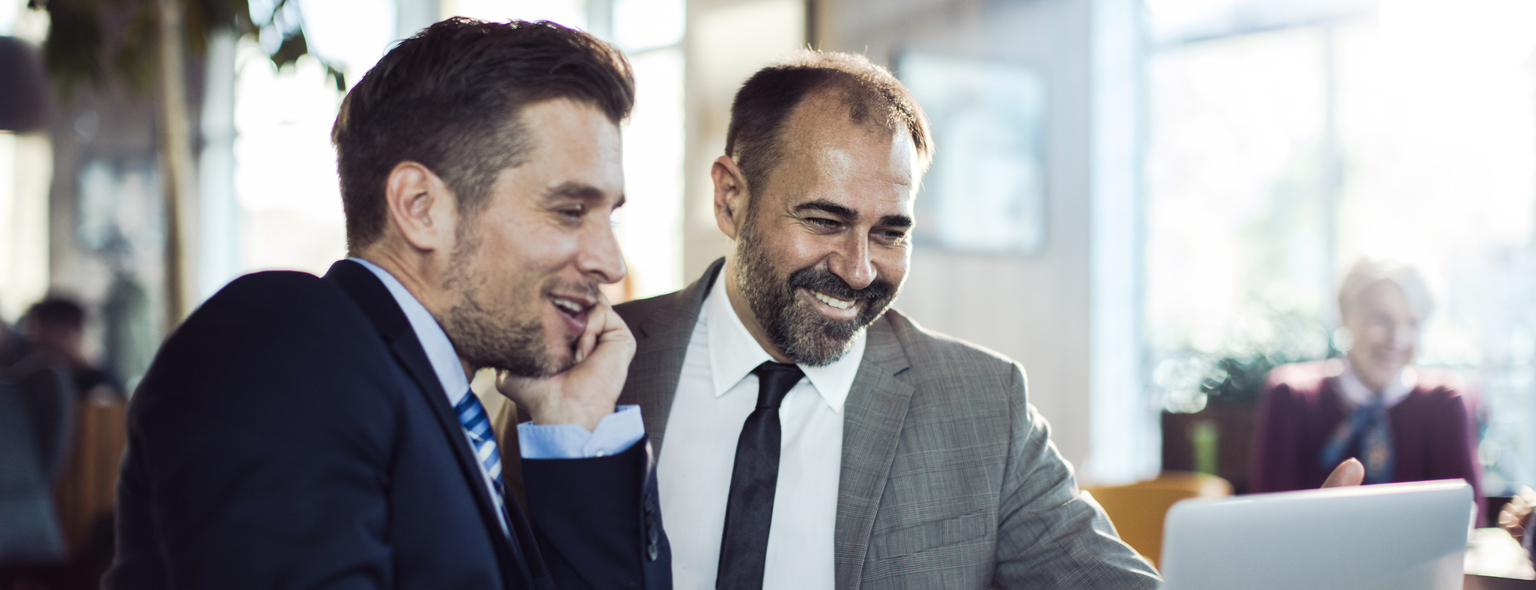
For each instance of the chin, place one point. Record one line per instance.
(1385, 374)
(1388, 367)
(561, 355)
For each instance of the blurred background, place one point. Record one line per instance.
(1148, 203)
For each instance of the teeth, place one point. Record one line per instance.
(834, 302)
(568, 305)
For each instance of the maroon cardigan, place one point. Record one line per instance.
(1433, 430)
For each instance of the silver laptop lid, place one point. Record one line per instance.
(1403, 536)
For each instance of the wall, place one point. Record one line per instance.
(727, 40)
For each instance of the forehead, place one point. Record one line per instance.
(570, 142)
(825, 149)
(1383, 295)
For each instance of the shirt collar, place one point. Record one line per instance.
(1359, 394)
(440, 353)
(733, 353)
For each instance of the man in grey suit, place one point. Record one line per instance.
(877, 454)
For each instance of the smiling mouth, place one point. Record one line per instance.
(575, 309)
(832, 301)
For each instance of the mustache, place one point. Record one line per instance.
(589, 290)
(821, 279)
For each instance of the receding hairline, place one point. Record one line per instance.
(831, 103)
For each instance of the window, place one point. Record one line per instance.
(1288, 140)
(282, 121)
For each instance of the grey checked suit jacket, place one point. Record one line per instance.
(949, 477)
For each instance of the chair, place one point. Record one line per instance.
(1138, 509)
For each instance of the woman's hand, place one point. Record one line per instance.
(1349, 473)
(1516, 515)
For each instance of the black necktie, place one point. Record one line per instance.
(749, 510)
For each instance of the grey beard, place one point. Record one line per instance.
(791, 324)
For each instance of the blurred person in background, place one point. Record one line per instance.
(37, 411)
(1404, 423)
(13, 345)
(55, 328)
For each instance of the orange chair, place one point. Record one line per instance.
(1138, 509)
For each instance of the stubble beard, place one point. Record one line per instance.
(792, 324)
(488, 339)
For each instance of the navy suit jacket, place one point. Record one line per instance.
(291, 434)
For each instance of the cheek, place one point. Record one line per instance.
(891, 263)
(797, 250)
(1369, 335)
(501, 273)
(521, 249)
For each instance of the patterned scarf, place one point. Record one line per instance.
(1369, 429)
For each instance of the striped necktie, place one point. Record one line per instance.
(478, 424)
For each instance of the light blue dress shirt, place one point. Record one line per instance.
(616, 432)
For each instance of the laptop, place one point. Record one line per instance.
(1403, 536)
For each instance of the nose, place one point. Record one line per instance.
(852, 264)
(600, 256)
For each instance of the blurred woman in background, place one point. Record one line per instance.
(1403, 422)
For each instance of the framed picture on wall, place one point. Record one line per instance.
(986, 190)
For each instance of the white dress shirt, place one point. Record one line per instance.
(715, 393)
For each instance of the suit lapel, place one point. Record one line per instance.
(662, 344)
(517, 559)
(876, 407)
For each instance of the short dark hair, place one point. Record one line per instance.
(449, 98)
(766, 101)
(56, 312)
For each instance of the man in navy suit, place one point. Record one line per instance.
(304, 432)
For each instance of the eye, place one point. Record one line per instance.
(573, 213)
(822, 223)
(893, 235)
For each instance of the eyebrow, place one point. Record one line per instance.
(826, 206)
(850, 215)
(581, 192)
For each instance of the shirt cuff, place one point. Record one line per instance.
(616, 433)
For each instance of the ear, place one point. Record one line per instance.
(730, 196)
(421, 207)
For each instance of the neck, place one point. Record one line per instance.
(743, 311)
(414, 275)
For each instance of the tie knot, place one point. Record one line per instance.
(774, 380)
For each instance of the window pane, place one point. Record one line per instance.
(1235, 170)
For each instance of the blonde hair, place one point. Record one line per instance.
(1369, 271)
